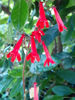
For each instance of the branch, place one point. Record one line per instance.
(57, 3)
(55, 48)
(60, 47)
(5, 9)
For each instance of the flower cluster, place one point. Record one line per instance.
(42, 21)
(36, 34)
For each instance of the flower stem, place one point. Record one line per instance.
(24, 71)
(23, 76)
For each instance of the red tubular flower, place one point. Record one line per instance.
(37, 34)
(60, 23)
(33, 55)
(42, 21)
(35, 92)
(14, 53)
(48, 57)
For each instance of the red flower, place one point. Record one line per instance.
(42, 21)
(48, 57)
(60, 23)
(14, 53)
(33, 55)
(35, 92)
(37, 34)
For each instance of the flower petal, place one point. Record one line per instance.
(45, 62)
(14, 53)
(37, 58)
(51, 61)
(18, 57)
(35, 92)
(28, 57)
(59, 20)
(46, 24)
(32, 59)
(13, 58)
(42, 33)
(9, 54)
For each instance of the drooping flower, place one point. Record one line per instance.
(42, 21)
(60, 23)
(35, 92)
(48, 57)
(38, 33)
(33, 55)
(14, 53)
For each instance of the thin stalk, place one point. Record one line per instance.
(24, 65)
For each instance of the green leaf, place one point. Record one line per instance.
(5, 50)
(50, 34)
(5, 83)
(10, 33)
(67, 35)
(38, 67)
(33, 0)
(3, 20)
(67, 75)
(1, 42)
(63, 55)
(64, 12)
(1, 61)
(67, 60)
(73, 98)
(71, 3)
(50, 47)
(45, 83)
(19, 14)
(16, 72)
(17, 88)
(61, 90)
(67, 63)
(53, 97)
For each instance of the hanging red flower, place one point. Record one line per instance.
(35, 92)
(60, 23)
(33, 55)
(37, 33)
(14, 53)
(42, 21)
(48, 57)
